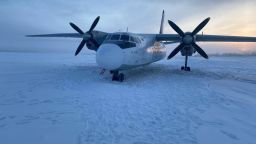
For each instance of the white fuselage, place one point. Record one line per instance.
(111, 57)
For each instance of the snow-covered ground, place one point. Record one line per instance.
(51, 98)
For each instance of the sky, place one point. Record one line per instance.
(19, 18)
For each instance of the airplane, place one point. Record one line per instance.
(120, 51)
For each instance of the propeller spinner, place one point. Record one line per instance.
(188, 39)
(87, 37)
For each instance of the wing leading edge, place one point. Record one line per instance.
(222, 38)
(206, 38)
(64, 35)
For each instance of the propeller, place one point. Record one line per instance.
(88, 37)
(188, 39)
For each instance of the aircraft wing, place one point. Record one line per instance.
(205, 38)
(222, 38)
(170, 42)
(64, 35)
(168, 37)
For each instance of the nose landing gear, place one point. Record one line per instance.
(116, 76)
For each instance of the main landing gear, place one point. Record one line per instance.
(185, 68)
(116, 76)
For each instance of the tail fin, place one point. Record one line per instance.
(162, 23)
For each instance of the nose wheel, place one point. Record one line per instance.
(116, 76)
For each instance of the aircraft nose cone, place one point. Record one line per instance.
(109, 56)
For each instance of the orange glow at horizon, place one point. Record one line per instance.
(230, 20)
(229, 47)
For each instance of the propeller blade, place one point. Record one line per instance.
(200, 26)
(175, 51)
(200, 50)
(76, 28)
(94, 24)
(80, 47)
(176, 28)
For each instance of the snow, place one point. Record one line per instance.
(49, 98)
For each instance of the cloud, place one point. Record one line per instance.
(18, 18)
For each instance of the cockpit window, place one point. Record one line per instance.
(124, 41)
(115, 37)
(108, 37)
(132, 39)
(125, 38)
(137, 40)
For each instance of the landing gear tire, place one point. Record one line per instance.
(117, 77)
(121, 77)
(114, 78)
(185, 68)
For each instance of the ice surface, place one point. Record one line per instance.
(58, 98)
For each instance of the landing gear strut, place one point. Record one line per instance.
(116, 76)
(186, 68)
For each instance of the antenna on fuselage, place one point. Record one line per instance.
(127, 29)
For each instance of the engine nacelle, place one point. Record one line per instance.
(91, 46)
(188, 50)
